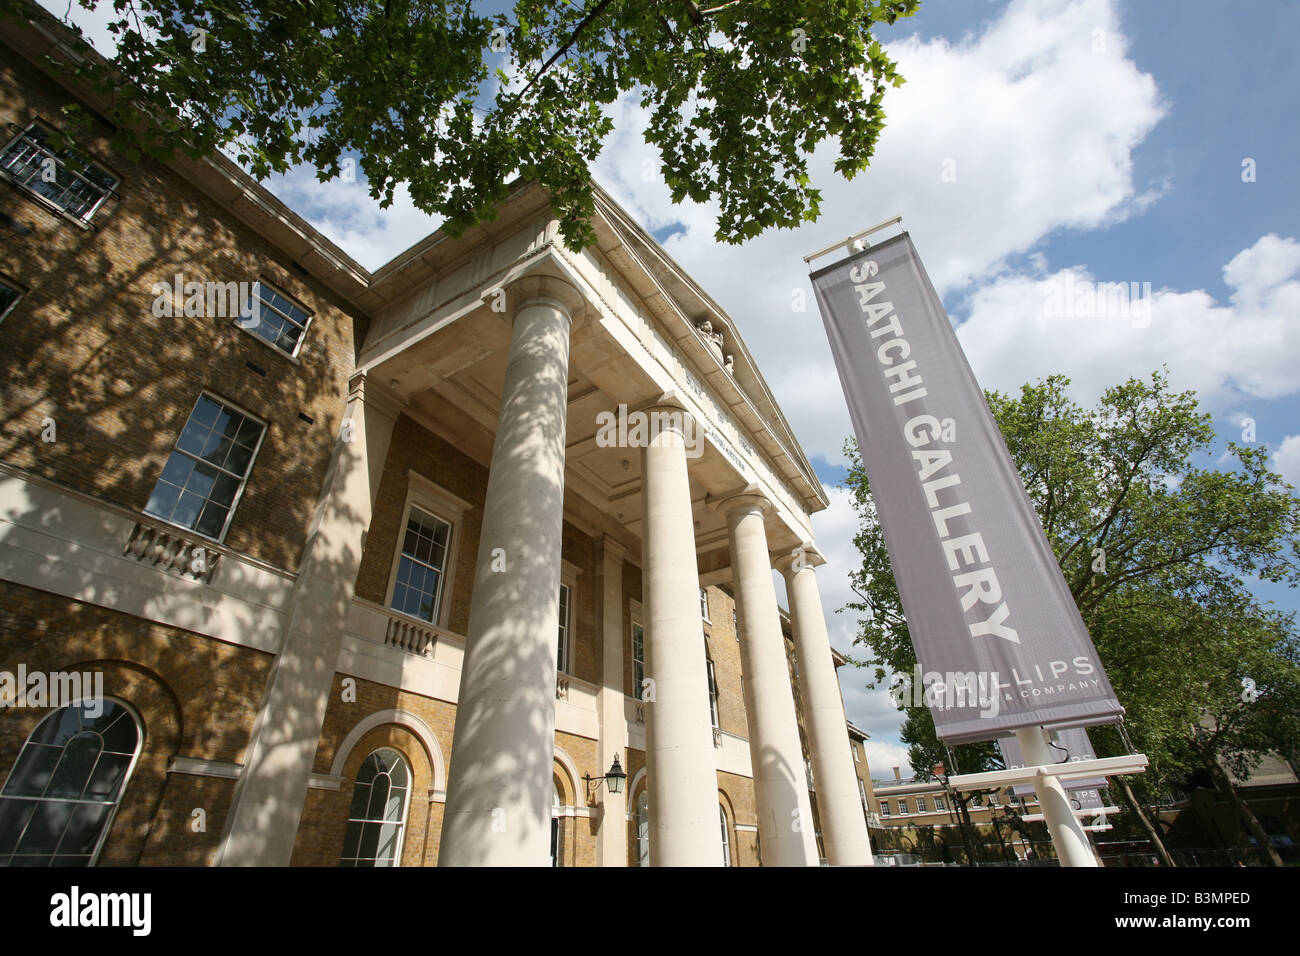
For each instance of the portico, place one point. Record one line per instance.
(519, 353)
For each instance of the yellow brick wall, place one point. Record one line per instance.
(579, 833)
(83, 348)
(320, 833)
(197, 697)
(724, 649)
(415, 448)
(324, 819)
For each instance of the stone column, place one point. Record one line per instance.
(785, 821)
(262, 824)
(681, 771)
(611, 834)
(498, 810)
(844, 829)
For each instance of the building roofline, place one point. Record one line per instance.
(40, 33)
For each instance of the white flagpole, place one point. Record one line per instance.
(1068, 835)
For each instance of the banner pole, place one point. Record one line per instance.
(854, 242)
(1068, 836)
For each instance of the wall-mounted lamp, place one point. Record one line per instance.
(614, 780)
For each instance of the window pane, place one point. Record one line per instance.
(386, 851)
(46, 826)
(65, 754)
(77, 185)
(108, 776)
(205, 413)
(14, 815)
(196, 489)
(238, 459)
(31, 774)
(397, 771)
(201, 480)
(351, 841)
(194, 438)
(187, 510)
(272, 317)
(369, 842)
(420, 566)
(378, 798)
(224, 490)
(83, 830)
(73, 772)
(59, 727)
(212, 520)
(177, 470)
(215, 448)
(393, 807)
(377, 815)
(8, 296)
(248, 433)
(288, 338)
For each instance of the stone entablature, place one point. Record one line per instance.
(726, 435)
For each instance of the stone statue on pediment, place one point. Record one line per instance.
(712, 339)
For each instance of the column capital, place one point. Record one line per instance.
(670, 406)
(806, 554)
(746, 500)
(541, 283)
(612, 548)
(363, 387)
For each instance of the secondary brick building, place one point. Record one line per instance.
(365, 575)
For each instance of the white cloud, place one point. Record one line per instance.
(1287, 459)
(93, 23)
(345, 213)
(1040, 128)
(882, 757)
(1226, 352)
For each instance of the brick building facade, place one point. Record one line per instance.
(312, 547)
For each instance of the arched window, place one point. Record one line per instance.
(60, 797)
(726, 837)
(643, 829)
(377, 819)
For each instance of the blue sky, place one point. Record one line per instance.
(1083, 140)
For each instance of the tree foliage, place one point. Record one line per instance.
(456, 101)
(1158, 551)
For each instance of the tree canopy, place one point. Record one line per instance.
(456, 101)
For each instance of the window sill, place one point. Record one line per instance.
(51, 207)
(278, 351)
(145, 516)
